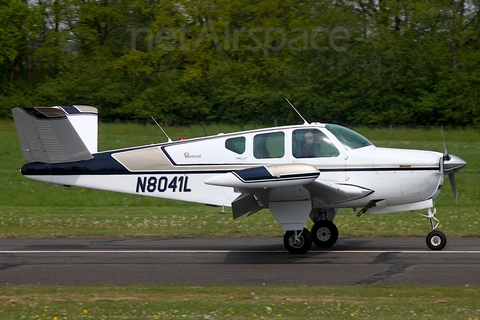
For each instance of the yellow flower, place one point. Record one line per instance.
(85, 311)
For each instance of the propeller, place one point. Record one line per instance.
(451, 164)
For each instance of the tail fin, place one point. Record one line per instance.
(57, 134)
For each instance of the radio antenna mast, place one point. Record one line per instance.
(291, 105)
(166, 135)
(203, 125)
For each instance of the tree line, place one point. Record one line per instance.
(363, 62)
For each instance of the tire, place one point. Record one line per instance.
(302, 247)
(436, 240)
(324, 234)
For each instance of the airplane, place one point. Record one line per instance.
(297, 172)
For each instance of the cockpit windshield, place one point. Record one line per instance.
(348, 138)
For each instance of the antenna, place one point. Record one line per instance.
(169, 140)
(291, 105)
(203, 125)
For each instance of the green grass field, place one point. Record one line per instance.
(241, 302)
(33, 209)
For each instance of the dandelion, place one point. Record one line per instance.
(85, 311)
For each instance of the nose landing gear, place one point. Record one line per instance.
(436, 240)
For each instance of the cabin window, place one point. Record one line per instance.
(348, 138)
(269, 145)
(236, 145)
(312, 143)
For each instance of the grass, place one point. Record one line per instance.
(221, 302)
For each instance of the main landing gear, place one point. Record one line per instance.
(324, 233)
(297, 242)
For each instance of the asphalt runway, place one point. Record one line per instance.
(236, 261)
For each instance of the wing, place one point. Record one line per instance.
(288, 190)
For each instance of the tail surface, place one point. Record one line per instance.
(57, 134)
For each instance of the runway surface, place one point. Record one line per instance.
(236, 261)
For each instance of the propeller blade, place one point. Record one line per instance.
(453, 184)
(451, 164)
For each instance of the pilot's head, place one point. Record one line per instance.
(308, 138)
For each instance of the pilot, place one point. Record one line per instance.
(306, 148)
(317, 142)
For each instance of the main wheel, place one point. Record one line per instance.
(324, 233)
(436, 240)
(299, 246)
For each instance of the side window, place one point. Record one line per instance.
(236, 145)
(312, 143)
(269, 145)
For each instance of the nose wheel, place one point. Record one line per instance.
(436, 240)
